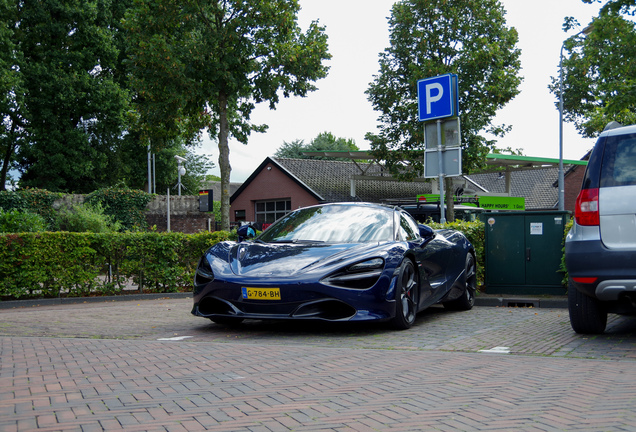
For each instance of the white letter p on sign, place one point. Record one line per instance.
(430, 98)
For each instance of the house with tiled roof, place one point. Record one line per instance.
(280, 185)
(537, 186)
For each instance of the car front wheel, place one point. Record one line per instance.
(587, 315)
(406, 296)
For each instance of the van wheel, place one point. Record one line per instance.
(587, 315)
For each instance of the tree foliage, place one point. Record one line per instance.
(74, 107)
(599, 74)
(325, 141)
(65, 99)
(616, 6)
(207, 63)
(435, 37)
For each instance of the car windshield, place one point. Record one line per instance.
(333, 224)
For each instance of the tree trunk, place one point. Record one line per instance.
(224, 163)
(11, 140)
(450, 202)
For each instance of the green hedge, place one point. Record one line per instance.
(63, 264)
(562, 268)
(475, 233)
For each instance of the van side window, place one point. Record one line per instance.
(619, 161)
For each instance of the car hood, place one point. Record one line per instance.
(280, 260)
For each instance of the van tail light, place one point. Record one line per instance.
(586, 211)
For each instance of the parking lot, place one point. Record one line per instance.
(150, 365)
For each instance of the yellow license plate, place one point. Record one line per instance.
(261, 293)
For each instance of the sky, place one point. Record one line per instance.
(358, 32)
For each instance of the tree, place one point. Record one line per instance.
(292, 150)
(616, 6)
(71, 103)
(208, 62)
(435, 37)
(325, 141)
(599, 74)
(11, 133)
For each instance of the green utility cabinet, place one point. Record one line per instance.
(523, 252)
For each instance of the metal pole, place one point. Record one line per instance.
(442, 218)
(154, 174)
(168, 209)
(561, 176)
(586, 31)
(179, 184)
(149, 172)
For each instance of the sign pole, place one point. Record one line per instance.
(442, 211)
(437, 99)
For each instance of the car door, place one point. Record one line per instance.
(432, 256)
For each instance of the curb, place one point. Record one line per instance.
(13, 304)
(529, 302)
(511, 301)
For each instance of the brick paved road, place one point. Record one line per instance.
(100, 366)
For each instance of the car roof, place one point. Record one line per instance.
(354, 203)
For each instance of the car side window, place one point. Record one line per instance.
(408, 228)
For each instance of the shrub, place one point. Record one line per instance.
(37, 201)
(16, 221)
(476, 234)
(562, 268)
(125, 205)
(87, 218)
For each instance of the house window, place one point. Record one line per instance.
(269, 211)
(239, 215)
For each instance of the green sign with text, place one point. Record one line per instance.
(493, 203)
(502, 203)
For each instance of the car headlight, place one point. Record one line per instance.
(361, 275)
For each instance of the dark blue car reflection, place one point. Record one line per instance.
(337, 262)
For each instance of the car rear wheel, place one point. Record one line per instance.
(406, 296)
(467, 300)
(587, 315)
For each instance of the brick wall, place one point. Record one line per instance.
(184, 214)
(572, 188)
(190, 223)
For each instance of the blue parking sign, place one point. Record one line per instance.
(437, 97)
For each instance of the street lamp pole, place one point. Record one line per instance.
(561, 183)
(180, 171)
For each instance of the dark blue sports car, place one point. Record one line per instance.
(337, 262)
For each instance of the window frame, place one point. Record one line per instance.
(271, 207)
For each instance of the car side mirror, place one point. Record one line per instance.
(426, 232)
